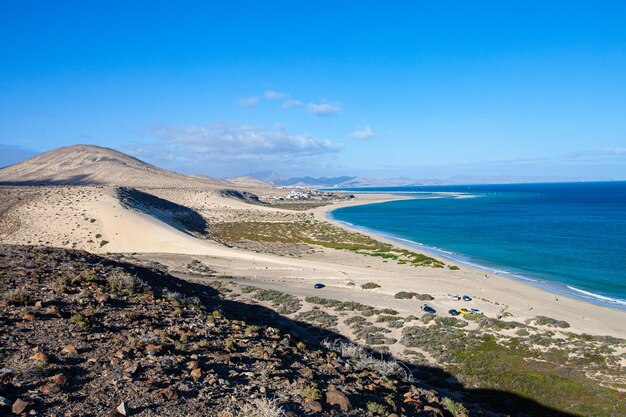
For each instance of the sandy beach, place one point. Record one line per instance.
(522, 299)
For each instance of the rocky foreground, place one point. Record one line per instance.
(86, 335)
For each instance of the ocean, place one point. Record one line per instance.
(568, 238)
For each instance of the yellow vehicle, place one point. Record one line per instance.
(465, 311)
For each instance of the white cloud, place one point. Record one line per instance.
(248, 101)
(288, 104)
(362, 133)
(606, 154)
(614, 151)
(274, 95)
(323, 109)
(223, 142)
(594, 156)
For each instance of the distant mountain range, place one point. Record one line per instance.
(248, 181)
(341, 181)
(269, 177)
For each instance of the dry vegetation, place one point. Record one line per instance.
(314, 233)
(575, 373)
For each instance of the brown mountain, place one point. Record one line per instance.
(95, 165)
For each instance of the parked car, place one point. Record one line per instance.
(319, 286)
(456, 297)
(474, 310)
(428, 309)
(467, 298)
(453, 312)
(465, 311)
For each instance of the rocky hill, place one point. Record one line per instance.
(95, 165)
(86, 335)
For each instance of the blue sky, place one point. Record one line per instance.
(322, 88)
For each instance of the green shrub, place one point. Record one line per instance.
(81, 321)
(449, 322)
(355, 320)
(370, 285)
(457, 409)
(122, 281)
(230, 345)
(318, 316)
(404, 295)
(17, 297)
(284, 303)
(252, 330)
(424, 297)
(376, 408)
(311, 391)
(548, 321)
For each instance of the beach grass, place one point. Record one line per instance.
(316, 233)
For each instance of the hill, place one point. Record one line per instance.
(95, 165)
(248, 181)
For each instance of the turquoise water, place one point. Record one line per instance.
(569, 238)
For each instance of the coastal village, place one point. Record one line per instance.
(309, 194)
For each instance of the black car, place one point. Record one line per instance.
(453, 312)
(467, 298)
(319, 286)
(428, 309)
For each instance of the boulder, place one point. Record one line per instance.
(50, 389)
(122, 409)
(336, 397)
(59, 379)
(312, 405)
(19, 406)
(39, 357)
(69, 350)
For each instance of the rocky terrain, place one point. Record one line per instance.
(86, 335)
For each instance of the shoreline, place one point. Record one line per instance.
(521, 284)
